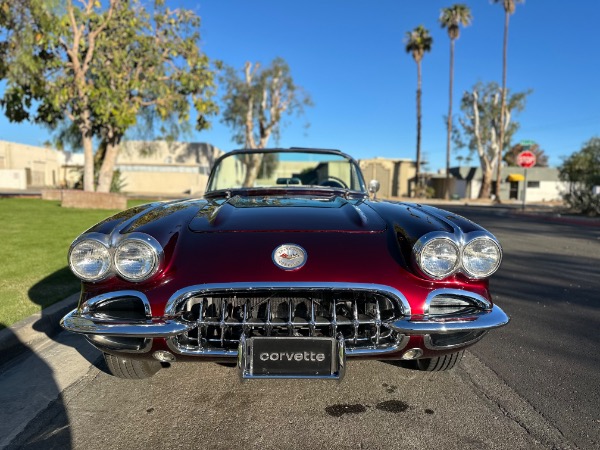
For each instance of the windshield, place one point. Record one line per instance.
(281, 169)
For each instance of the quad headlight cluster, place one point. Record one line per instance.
(135, 257)
(440, 255)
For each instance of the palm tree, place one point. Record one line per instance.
(509, 8)
(451, 19)
(418, 41)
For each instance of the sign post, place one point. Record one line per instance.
(526, 160)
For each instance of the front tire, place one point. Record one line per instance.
(131, 369)
(440, 363)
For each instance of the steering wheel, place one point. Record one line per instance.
(332, 181)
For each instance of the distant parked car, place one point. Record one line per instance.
(287, 280)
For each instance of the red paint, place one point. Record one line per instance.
(347, 241)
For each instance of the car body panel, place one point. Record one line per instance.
(225, 243)
(282, 213)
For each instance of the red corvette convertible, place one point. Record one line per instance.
(286, 268)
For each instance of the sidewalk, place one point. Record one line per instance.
(34, 330)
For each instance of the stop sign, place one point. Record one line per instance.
(526, 159)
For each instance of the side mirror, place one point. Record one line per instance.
(374, 187)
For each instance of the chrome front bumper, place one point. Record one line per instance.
(440, 332)
(409, 325)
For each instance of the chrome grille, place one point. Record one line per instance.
(221, 318)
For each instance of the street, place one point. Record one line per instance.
(532, 384)
(548, 284)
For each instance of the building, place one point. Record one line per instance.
(25, 166)
(160, 167)
(147, 168)
(543, 183)
(71, 169)
(396, 176)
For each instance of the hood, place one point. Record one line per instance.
(278, 213)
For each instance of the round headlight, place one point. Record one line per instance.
(135, 260)
(438, 258)
(481, 257)
(89, 260)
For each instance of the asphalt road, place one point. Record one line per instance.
(549, 284)
(532, 384)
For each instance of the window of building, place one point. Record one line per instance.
(533, 184)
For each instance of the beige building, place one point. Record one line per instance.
(148, 168)
(71, 169)
(162, 168)
(165, 168)
(395, 175)
(23, 166)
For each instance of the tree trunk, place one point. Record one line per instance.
(418, 192)
(449, 131)
(249, 123)
(252, 164)
(487, 172)
(85, 127)
(502, 108)
(107, 168)
(486, 183)
(88, 163)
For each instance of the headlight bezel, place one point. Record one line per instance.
(150, 243)
(469, 273)
(112, 243)
(429, 240)
(461, 242)
(97, 239)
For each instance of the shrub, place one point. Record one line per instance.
(582, 171)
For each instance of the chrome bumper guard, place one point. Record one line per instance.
(478, 321)
(81, 323)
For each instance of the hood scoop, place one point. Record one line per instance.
(256, 214)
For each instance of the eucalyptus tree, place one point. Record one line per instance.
(255, 103)
(418, 42)
(480, 123)
(451, 19)
(157, 72)
(100, 65)
(509, 9)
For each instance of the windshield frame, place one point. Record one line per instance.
(293, 188)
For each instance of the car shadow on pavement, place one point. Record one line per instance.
(33, 413)
(49, 322)
(404, 364)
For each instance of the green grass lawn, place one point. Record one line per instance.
(34, 239)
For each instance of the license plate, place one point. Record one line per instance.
(291, 357)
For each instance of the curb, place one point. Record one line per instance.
(35, 329)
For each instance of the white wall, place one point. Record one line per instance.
(548, 191)
(13, 179)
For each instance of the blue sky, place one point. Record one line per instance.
(349, 56)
